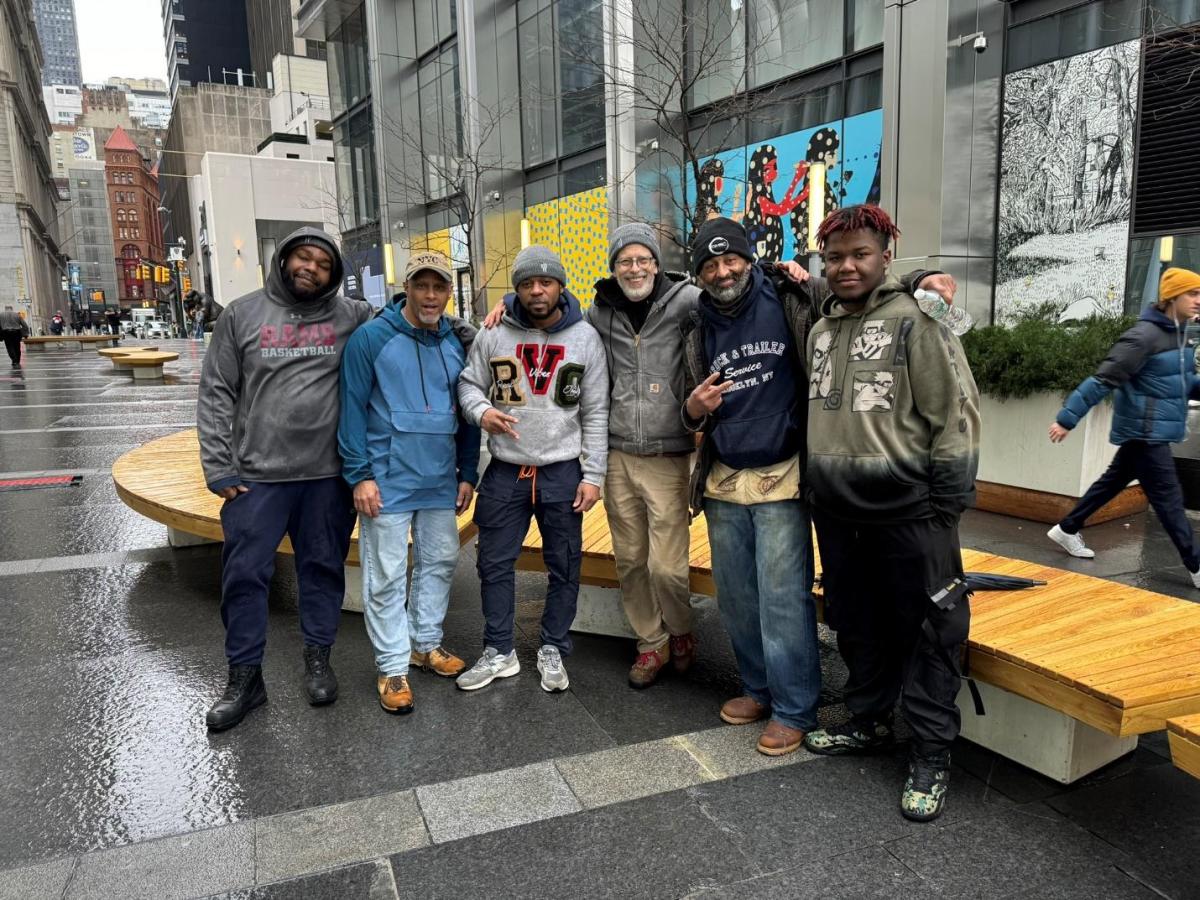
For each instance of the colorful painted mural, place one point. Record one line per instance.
(576, 228)
(746, 183)
(1066, 182)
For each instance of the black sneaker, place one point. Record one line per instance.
(243, 693)
(924, 797)
(319, 680)
(849, 737)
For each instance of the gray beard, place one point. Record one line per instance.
(638, 295)
(726, 296)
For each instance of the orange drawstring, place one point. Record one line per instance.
(529, 472)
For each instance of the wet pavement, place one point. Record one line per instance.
(110, 785)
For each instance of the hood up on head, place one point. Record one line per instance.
(275, 286)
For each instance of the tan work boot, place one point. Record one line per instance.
(649, 664)
(778, 739)
(683, 651)
(395, 696)
(438, 661)
(743, 710)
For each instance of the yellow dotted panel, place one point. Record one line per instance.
(576, 228)
(438, 241)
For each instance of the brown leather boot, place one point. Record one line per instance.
(649, 664)
(438, 661)
(743, 710)
(778, 739)
(395, 696)
(683, 651)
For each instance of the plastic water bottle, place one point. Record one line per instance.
(953, 317)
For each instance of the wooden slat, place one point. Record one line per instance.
(1185, 753)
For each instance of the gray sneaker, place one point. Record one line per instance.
(492, 665)
(554, 676)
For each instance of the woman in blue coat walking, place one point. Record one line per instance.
(1153, 372)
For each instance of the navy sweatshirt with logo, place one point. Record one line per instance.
(760, 422)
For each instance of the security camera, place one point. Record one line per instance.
(980, 44)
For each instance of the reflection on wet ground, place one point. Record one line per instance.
(110, 662)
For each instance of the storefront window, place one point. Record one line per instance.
(1073, 32)
(581, 75)
(349, 78)
(357, 180)
(866, 24)
(793, 35)
(1149, 257)
(716, 48)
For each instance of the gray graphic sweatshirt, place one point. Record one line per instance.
(269, 404)
(555, 382)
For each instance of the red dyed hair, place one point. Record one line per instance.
(854, 218)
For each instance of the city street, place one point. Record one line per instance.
(112, 787)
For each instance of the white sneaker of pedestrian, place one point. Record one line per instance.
(1195, 578)
(1072, 543)
(492, 665)
(549, 664)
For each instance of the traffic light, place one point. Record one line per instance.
(160, 275)
(143, 272)
(187, 284)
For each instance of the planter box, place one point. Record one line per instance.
(1022, 474)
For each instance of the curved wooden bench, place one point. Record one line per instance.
(1183, 734)
(75, 340)
(110, 352)
(148, 364)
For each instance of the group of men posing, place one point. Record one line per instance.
(836, 397)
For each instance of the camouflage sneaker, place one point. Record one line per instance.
(849, 737)
(924, 797)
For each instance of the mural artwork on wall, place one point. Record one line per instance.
(576, 228)
(766, 186)
(1066, 179)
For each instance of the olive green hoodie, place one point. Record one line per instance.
(893, 412)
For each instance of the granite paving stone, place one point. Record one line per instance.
(868, 874)
(190, 865)
(731, 750)
(45, 881)
(366, 881)
(481, 803)
(630, 772)
(314, 839)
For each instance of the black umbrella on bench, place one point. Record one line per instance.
(982, 581)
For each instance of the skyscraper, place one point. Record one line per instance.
(207, 41)
(60, 41)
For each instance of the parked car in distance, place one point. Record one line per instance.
(155, 329)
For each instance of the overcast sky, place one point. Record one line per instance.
(121, 37)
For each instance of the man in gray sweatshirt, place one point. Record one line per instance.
(268, 418)
(538, 385)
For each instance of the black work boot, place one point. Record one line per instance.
(244, 692)
(319, 680)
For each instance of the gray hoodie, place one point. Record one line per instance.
(555, 382)
(269, 406)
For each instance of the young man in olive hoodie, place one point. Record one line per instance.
(268, 419)
(893, 446)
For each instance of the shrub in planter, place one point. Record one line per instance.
(1039, 354)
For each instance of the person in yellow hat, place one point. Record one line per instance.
(1152, 370)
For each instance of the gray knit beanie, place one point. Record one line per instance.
(534, 261)
(633, 233)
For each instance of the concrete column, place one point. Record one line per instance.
(619, 114)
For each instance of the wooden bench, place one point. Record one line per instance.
(76, 341)
(146, 365)
(163, 481)
(117, 353)
(1184, 737)
(1071, 672)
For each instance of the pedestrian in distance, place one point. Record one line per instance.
(893, 447)
(1152, 370)
(413, 462)
(268, 419)
(57, 323)
(12, 329)
(538, 385)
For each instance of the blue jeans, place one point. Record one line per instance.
(762, 564)
(383, 545)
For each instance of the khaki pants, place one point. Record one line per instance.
(646, 499)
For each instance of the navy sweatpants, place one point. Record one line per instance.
(1154, 467)
(502, 511)
(318, 516)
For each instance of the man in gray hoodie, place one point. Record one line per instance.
(268, 418)
(538, 385)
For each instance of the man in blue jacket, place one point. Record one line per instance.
(1153, 371)
(412, 461)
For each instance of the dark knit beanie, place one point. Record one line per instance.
(717, 237)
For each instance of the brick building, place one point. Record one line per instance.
(133, 201)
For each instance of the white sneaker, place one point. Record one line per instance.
(492, 665)
(554, 676)
(1195, 578)
(1072, 543)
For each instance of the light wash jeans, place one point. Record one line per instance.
(762, 563)
(383, 545)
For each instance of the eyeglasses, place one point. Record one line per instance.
(630, 262)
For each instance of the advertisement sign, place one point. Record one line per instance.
(84, 143)
(74, 285)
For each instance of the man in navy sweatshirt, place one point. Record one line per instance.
(267, 417)
(412, 461)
